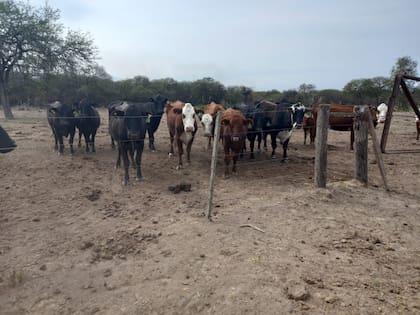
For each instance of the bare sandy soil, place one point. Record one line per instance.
(73, 240)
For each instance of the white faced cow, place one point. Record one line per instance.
(182, 126)
(382, 110)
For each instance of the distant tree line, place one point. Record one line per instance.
(100, 88)
(41, 63)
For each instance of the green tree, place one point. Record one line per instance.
(404, 65)
(307, 93)
(33, 41)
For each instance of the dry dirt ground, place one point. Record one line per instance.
(73, 240)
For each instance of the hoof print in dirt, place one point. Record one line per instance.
(180, 187)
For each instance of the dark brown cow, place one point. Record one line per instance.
(182, 127)
(233, 132)
(342, 123)
(209, 118)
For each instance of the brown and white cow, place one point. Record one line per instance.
(182, 126)
(208, 120)
(342, 123)
(233, 131)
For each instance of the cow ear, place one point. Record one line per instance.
(225, 122)
(177, 110)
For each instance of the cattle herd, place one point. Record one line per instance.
(129, 122)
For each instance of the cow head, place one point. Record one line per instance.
(298, 111)
(159, 105)
(135, 121)
(207, 122)
(382, 110)
(61, 114)
(188, 117)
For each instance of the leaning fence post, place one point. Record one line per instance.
(360, 126)
(321, 145)
(214, 162)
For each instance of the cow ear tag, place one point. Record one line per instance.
(148, 118)
(249, 126)
(268, 124)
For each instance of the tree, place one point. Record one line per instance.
(307, 93)
(404, 65)
(32, 41)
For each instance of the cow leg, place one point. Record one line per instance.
(86, 136)
(171, 139)
(60, 144)
(79, 144)
(139, 152)
(285, 145)
(112, 143)
(180, 152)
(118, 164)
(55, 141)
(71, 141)
(351, 139)
(259, 138)
(251, 146)
(273, 136)
(130, 149)
(312, 134)
(151, 139)
(305, 133)
(235, 159)
(126, 162)
(265, 141)
(189, 145)
(93, 141)
(209, 144)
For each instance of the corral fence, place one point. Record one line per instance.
(362, 125)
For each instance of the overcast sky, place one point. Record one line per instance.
(263, 44)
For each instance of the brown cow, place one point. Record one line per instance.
(233, 132)
(208, 120)
(182, 127)
(342, 123)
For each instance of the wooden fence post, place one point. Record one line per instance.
(377, 150)
(214, 162)
(321, 146)
(391, 106)
(361, 126)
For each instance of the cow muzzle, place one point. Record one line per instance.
(189, 129)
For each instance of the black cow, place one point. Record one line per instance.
(278, 120)
(252, 133)
(6, 143)
(87, 121)
(153, 121)
(127, 125)
(61, 119)
(158, 104)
